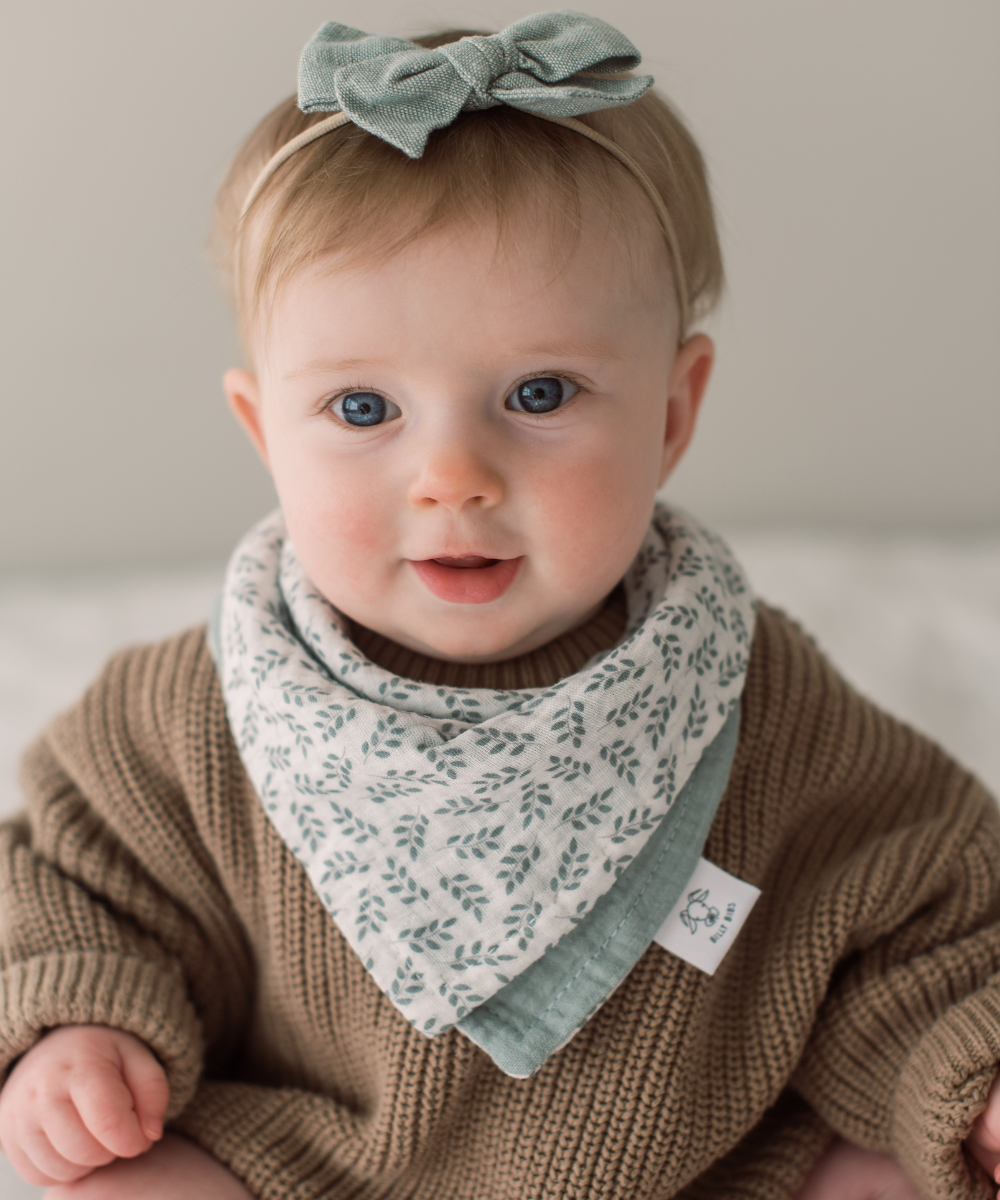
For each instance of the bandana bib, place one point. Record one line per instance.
(456, 835)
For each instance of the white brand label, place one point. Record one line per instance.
(704, 922)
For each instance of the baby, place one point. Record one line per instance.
(493, 842)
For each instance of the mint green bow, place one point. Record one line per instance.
(401, 92)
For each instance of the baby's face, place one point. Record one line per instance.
(466, 441)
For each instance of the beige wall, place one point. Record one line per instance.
(855, 155)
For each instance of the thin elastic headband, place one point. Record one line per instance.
(554, 65)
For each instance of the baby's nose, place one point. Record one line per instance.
(455, 476)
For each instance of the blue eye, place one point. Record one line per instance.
(364, 408)
(541, 395)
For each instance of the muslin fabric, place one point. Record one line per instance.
(455, 835)
(556, 64)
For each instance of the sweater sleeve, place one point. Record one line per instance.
(907, 1039)
(112, 911)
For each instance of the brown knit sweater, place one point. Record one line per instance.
(145, 888)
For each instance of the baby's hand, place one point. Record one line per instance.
(983, 1142)
(83, 1096)
(850, 1172)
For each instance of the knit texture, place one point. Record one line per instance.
(144, 887)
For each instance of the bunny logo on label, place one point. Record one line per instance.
(698, 910)
(699, 931)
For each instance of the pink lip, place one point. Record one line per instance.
(469, 579)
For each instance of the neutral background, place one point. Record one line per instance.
(855, 157)
(854, 151)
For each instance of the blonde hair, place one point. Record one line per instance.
(350, 193)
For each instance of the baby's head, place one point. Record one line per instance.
(470, 371)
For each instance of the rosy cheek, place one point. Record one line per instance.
(339, 523)
(350, 549)
(596, 511)
(360, 524)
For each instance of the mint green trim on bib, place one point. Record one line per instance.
(531, 1018)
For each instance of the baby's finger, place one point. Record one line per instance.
(987, 1125)
(147, 1082)
(104, 1103)
(71, 1138)
(37, 1161)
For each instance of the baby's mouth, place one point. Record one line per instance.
(467, 561)
(467, 579)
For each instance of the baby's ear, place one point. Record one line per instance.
(688, 379)
(243, 393)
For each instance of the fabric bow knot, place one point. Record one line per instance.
(401, 92)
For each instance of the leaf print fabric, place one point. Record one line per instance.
(455, 835)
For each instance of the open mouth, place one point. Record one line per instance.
(469, 579)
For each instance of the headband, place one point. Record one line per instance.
(556, 65)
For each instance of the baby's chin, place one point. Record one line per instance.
(517, 622)
(484, 644)
(479, 636)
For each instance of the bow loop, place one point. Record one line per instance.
(555, 45)
(401, 92)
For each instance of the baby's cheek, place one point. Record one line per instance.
(598, 511)
(340, 531)
(357, 526)
(600, 496)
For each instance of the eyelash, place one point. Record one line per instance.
(330, 401)
(565, 376)
(327, 405)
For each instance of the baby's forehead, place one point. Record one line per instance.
(528, 274)
(351, 194)
(626, 256)
(357, 202)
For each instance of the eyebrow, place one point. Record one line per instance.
(574, 350)
(322, 366)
